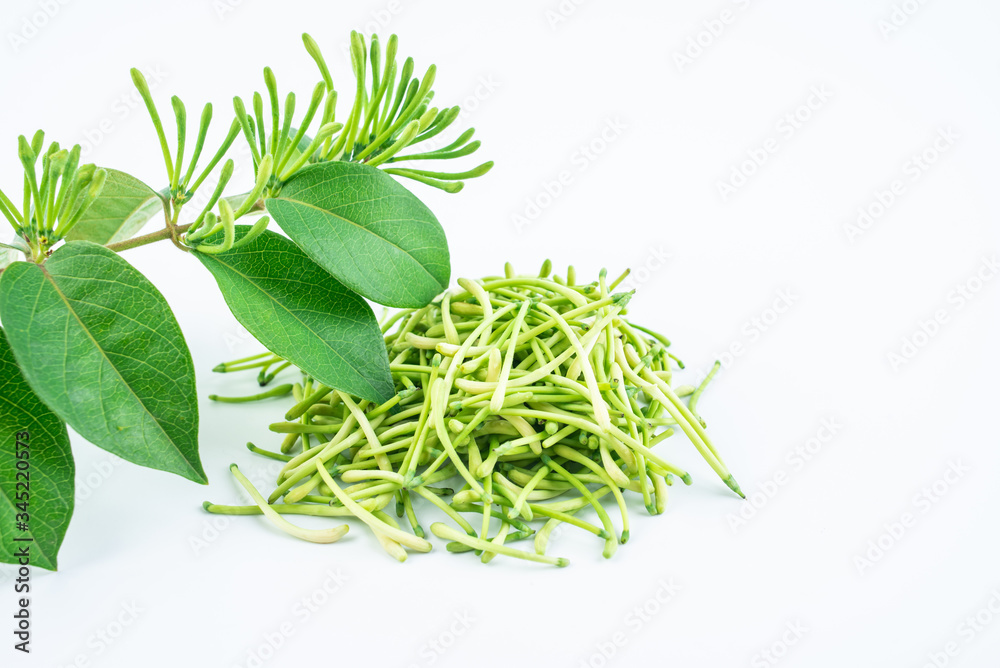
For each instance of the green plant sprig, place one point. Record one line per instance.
(73, 310)
(181, 189)
(382, 123)
(383, 120)
(55, 200)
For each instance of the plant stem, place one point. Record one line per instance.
(165, 233)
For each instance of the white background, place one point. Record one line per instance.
(539, 86)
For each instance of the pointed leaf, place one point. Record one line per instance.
(366, 229)
(36, 470)
(126, 204)
(300, 312)
(98, 343)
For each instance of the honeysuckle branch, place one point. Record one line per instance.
(385, 119)
(146, 239)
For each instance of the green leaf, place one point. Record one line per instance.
(236, 201)
(366, 229)
(47, 483)
(302, 146)
(298, 311)
(98, 343)
(125, 205)
(8, 255)
(12, 251)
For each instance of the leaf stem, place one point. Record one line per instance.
(171, 224)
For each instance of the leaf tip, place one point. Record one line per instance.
(195, 472)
